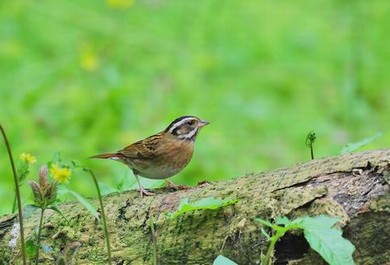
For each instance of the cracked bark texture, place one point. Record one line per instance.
(354, 187)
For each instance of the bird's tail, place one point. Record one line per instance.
(114, 156)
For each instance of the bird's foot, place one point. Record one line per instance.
(144, 192)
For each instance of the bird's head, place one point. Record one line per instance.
(186, 127)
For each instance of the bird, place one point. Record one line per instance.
(161, 155)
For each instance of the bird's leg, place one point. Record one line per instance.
(173, 186)
(141, 189)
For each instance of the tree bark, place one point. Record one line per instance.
(354, 187)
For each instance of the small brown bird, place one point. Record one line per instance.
(162, 155)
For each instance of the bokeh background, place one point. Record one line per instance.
(85, 77)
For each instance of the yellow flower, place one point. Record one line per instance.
(28, 158)
(60, 174)
(89, 61)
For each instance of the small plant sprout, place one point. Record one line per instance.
(319, 232)
(310, 139)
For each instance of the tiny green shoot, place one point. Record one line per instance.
(310, 139)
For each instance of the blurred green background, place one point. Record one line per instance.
(86, 77)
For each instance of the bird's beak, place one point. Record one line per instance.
(203, 123)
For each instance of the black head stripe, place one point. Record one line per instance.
(175, 122)
(174, 131)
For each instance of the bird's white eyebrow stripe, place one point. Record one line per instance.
(178, 124)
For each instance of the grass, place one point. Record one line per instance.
(91, 77)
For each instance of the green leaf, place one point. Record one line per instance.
(354, 146)
(105, 188)
(31, 248)
(85, 203)
(23, 171)
(283, 221)
(209, 203)
(54, 208)
(222, 260)
(29, 210)
(62, 190)
(267, 223)
(326, 240)
(265, 233)
(310, 138)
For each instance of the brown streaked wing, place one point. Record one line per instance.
(143, 149)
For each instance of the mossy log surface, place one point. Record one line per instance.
(354, 187)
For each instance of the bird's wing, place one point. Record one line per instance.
(143, 149)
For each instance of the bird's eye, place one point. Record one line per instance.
(190, 122)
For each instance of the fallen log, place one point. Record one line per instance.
(354, 187)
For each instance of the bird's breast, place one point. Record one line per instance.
(167, 162)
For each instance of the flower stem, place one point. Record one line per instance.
(103, 216)
(39, 236)
(16, 179)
